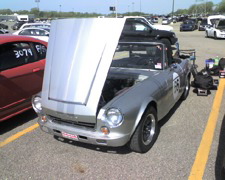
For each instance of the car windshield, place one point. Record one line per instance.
(204, 22)
(221, 24)
(189, 22)
(138, 56)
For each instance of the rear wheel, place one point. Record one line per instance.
(146, 133)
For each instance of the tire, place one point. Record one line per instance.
(215, 36)
(206, 34)
(186, 89)
(146, 133)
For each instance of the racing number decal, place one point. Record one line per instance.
(176, 85)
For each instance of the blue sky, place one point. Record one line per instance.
(101, 6)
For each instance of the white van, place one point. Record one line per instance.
(23, 18)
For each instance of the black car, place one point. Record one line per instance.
(17, 25)
(202, 25)
(3, 26)
(189, 25)
(136, 29)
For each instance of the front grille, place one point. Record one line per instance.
(71, 123)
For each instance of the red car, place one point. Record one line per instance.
(22, 61)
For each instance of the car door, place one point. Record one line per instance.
(170, 78)
(210, 31)
(21, 74)
(137, 29)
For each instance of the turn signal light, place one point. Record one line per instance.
(105, 130)
(43, 118)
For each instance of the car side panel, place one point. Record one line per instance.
(19, 84)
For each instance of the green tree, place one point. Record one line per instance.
(35, 11)
(221, 7)
(5, 11)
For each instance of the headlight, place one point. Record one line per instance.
(114, 117)
(36, 103)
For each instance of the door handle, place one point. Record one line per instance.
(36, 69)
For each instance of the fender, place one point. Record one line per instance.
(142, 109)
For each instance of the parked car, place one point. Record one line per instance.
(166, 21)
(216, 31)
(3, 26)
(202, 25)
(137, 27)
(17, 25)
(42, 34)
(110, 95)
(22, 61)
(155, 20)
(188, 25)
(37, 25)
(150, 23)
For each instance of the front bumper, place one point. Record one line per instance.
(186, 29)
(221, 35)
(86, 135)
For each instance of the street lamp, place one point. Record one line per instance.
(172, 10)
(140, 7)
(132, 6)
(116, 7)
(37, 1)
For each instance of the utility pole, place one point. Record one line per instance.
(172, 10)
(38, 1)
(140, 7)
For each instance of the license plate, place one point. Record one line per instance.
(70, 136)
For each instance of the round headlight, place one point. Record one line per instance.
(37, 104)
(114, 117)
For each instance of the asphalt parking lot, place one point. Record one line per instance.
(37, 155)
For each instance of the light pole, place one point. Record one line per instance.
(172, 10)
(132, 6)
(37, 1)
(140, 7)
(60, 10)
(116, 7)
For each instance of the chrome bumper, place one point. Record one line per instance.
(86, 135)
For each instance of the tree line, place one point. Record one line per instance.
(202, 8)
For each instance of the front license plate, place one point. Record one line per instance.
(70, 136)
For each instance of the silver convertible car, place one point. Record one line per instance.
(100, 91)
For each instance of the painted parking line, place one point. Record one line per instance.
(17, 135)
(202, 155)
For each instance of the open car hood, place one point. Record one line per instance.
(79, 55)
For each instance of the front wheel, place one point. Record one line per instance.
(146, 133)
(186, 89)
(215, 35)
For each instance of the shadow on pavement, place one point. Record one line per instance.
(220, 159)
(105, 149)
(171, 112)
(16, 121)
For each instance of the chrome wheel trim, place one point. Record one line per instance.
(148, 129)
(186, 87)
